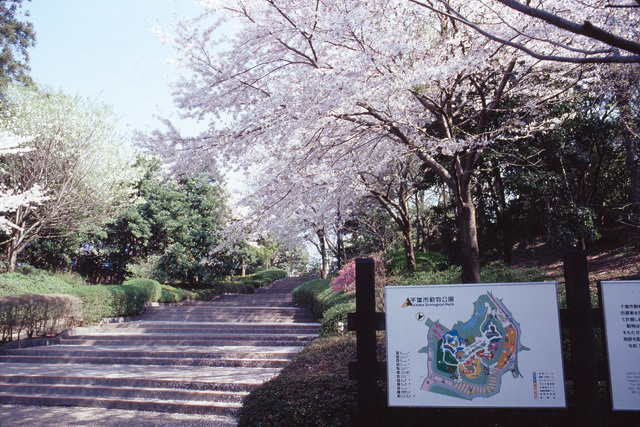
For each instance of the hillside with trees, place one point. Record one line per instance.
(388, 126)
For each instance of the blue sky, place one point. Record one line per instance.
(103, 49)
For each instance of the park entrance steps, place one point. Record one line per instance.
(195, 357)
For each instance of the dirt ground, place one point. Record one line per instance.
(615, 256)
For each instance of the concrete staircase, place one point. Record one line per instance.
(195, 358)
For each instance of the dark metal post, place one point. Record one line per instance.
(581, 333)
(366, 342)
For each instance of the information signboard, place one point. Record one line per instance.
(481, 345)
(621, 305)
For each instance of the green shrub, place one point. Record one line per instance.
(425, 261)
(175, 294)
(38, 314)
(99, 301)
(36, 283)
(207, 294)
(499, 272)
(313, 390)
(254, 283)
(150, 288)
(495, 272)
(318, 296)
(334, 316)
(450, 275)
(102, 301)
(238, 288)
(74, 279)
(267, 277)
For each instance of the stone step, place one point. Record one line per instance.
(208, 328)
(149, 361)
(194, 357)
(227, 314)
(236, 387)
(221, 317)
(152, 351)
(138, 334)
(193, 378)
(211, 307)
(121, 392)
(115, 340)
(217, 408)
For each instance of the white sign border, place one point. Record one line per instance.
(479, 403)
(620, 399)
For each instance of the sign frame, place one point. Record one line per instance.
(621, 311)
(417, 322)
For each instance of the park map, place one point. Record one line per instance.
(469, 360)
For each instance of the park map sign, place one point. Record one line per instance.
(621, 304)
(480, 345)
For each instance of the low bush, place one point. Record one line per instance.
(175, 294)
(499, 272)
(254, 283)
(496, 272)
(38, 282)
(425, 261)
(335, 318)
(102, 301)
(99, 301)
(207, 294)
(38, 314)
(318, 296)
(313, 390)
(267, 277)
(238, 288)
(151, 288)
(345, 281)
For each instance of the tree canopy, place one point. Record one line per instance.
(328, 91)
(16, 37)
(72, 155)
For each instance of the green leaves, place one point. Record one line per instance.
(179, 221)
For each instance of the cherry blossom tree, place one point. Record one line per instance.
(578, 31)
(72, 156)
(348, 88)
(11, 199)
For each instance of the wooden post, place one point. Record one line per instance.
(581, 333)
(366, 343)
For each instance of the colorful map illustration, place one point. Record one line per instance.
(469, 360)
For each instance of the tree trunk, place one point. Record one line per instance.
(12, 257)
(504, 221)
(322, 247)
(468, 235)
(399, 212)
(634, 173)
(408, 247)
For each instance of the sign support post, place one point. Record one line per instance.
(366, 343)
(581, 334)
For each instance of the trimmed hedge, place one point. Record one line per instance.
(335, 318)
(266, 277)
(151, 288)
(174, 294)
(329, 306)
(38, 314)
(318, 296)
(102, 301)
(99, 301)
(238, 288)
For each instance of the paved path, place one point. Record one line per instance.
(187, 364)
